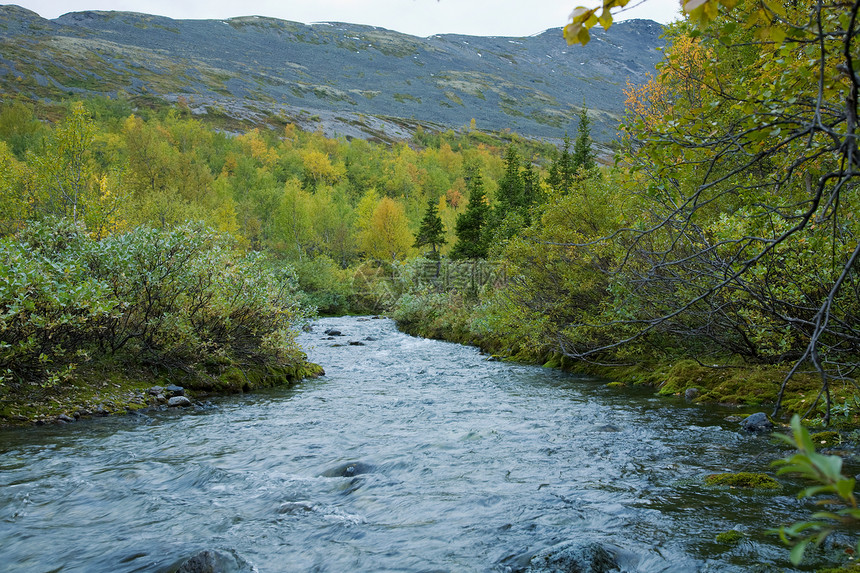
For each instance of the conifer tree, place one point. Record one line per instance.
(531, 191)
(562, 172)
(431, 231)
(583, 156)
(471, 225)
(510, 192)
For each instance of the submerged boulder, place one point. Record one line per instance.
(348, 470)
(757, 422)
(210, 561)
(572, 557)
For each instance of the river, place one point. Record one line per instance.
(409, 455)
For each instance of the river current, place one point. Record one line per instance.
(408, 455)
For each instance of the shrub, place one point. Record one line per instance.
(168, 298)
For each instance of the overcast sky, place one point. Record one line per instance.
(417, 17)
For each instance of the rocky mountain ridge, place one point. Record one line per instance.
(345, 79)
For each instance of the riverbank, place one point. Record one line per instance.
(115, 389)
(728, 381)
(405, 440)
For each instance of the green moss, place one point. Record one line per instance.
(117, 388)
(747, 480)
(851, 568)
(728, 383)
(616, 385)
(826, 439)
(730, 537)
(554, 360)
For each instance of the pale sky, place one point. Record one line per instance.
(417, 17)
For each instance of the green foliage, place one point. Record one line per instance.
(825, 472)
(169, 299)
(557, 272)
(51, 307)
(745, 240)
(826, 439)
(324, 285)
(431, 232)
(20, 128)
(562, 172)
(116, 165)
(583, 155)
(430, 314)
(471, 228)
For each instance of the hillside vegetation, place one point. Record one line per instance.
(348, 80)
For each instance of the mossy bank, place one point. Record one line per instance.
(730, 382)
(112, 389)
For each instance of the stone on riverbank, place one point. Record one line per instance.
(174, 390)
(178, 402)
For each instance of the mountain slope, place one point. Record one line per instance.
(348, 73)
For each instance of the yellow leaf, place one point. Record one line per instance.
(605, 19)
(712, 10)
(584, 36)
(777, 34)
(580, 14)
(691, 5)
(571, 33)
(776, 7)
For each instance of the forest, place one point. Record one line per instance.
(716, 251)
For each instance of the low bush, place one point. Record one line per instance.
(171, 299)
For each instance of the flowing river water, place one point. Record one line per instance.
(409, 455)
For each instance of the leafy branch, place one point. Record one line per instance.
(826, 473)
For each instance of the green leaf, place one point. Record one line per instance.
(798, 550)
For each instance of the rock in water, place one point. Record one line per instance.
(179, 402)
(758, 422)
(210, 561)
(573, 557)
(214, 562)
(348, 470)
(296, 507)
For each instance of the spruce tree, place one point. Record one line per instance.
(471, 225)
(510, 192)
(562, 172)
(583, 156)
(431, 231)
(532, 194)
